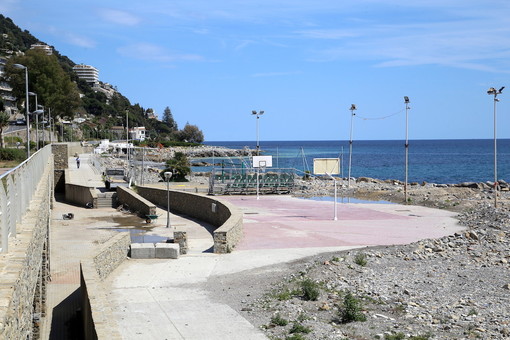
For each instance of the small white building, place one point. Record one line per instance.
(137, 133)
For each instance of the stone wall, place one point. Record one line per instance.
(223, 215)
(79, 194)
(135, 202)
(97, 312)
(24, 269)
(60, 154)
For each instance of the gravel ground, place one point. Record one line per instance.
(457, 287)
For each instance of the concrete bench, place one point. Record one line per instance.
(155, 251)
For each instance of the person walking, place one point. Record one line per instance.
(78, 162)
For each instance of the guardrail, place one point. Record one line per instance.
(16, 190)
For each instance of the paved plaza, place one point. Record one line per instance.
(165, 299)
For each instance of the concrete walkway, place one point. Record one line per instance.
(72, 240)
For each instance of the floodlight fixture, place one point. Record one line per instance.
(406, 99)
(353, 107)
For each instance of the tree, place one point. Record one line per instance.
(4, 121)
(168, 119)
(191, 134)
(179, 166)
(46, 77)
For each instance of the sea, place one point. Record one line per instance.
(433, 161)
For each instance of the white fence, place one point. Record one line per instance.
(16, 190)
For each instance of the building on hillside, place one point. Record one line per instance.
(151, 114)
(137, 133)
(88, 73)
(6, 94)
(105, 88)
(118, 132)
(43, 47)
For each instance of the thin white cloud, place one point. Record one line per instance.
(80, 41)
(274, 74)
(151, 52)
(119, 17)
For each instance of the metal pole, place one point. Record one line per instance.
(495, 155)
(353, 107)
(168, 203)
(335, 218)
(493, 91)
(406, 100)
(26, 107)
(258, 146)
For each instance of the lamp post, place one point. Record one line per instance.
(23, 67)
(406, 101)
(168, 175)
(258, 114)
(494, 92)
(36, 120)
(353, 108)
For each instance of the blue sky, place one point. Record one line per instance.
(303, 62)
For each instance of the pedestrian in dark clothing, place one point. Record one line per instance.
(78, 162)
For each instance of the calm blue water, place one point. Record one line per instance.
(436, 161)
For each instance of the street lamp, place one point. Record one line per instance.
(353, 108)
(494, 92)
(258, 114)
(168, 175)
(23, 67)
(36, 119)
(406, 101)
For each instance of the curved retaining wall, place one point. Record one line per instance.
(224, 216)
(98, 320)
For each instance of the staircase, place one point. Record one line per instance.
(106, 199)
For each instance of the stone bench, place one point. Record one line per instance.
(155, 250)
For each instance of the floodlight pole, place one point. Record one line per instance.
(19, 66)
(406, 101)
(258, 114)
(353, 108)
(494, 92)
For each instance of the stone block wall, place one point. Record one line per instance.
(80, 195)
(61, 159)
(223, 215)
(135, 202)
(97, 313)
(24, 269)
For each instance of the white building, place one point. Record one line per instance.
(88, 73)
(137, 133)
(47, 49)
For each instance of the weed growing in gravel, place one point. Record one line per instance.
(302, 317)
(310, 290)
(295, 337)
(351, 310)
(299, 328)
(335, 259)
(279, 321)
(360, 259)
(397, 336)
(472, 311)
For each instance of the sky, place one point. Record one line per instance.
(302, 62)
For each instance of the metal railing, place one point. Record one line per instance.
(245, 181)
(16, 190)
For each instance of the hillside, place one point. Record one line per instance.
(57, 85)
